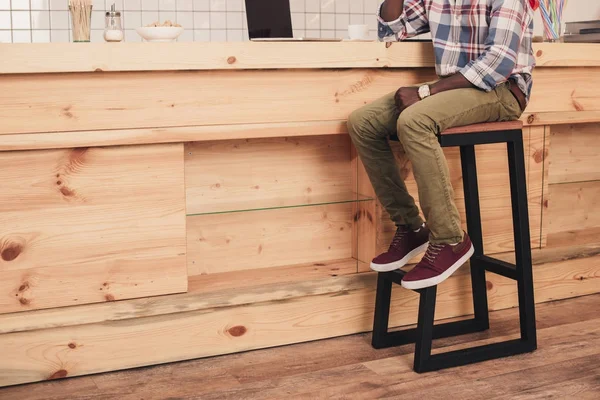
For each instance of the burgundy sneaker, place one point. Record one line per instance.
(439, 262)
(405, 245)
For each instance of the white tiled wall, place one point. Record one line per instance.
(203, 20)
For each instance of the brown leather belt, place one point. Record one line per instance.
(514, 89)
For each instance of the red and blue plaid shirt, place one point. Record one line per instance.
(488, 41)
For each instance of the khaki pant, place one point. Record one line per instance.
(417, 128)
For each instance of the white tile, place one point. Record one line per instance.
(202, 5)
(5, 37)
(186, 19)
(186, 36)
(312, 6)
(99, 5)
(149, 5)
(20, 5)
(245, 21)
(234, 35)
(201, 35)
(245, 35)
(132, 19)
(343, 6)
(59, 20)
(133, 5)
(59, 36)
(119, 5)
(97, 36)
(235, 20)
(21, 20)
(327, 34)
(328, 6)
(202, 21)
(218, 35)
(371, 6)
(167, 5)
(149, 17)
(218, 5)
(5, 20)
(167, 16)
(132, 36)
(342, 21)
(234, 5)
(357, 19)
(5, 5)
(40, 5)
(218, 20)
(340, 34)
(40, 36)
(297, 5)
(298, 33)
(59, 5)
(356, 7)
(313, 33)
(40, 20)
(313, 21)
(327, 21)
(21, 36)
(98, 20)
(298, 21)
(185, 5)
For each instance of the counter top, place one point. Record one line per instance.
(111, 57)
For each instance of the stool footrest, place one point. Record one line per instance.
(440, 331)
(496, 266)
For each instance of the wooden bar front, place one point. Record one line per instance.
(162, 203)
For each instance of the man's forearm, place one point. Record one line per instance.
(391, 10)
(456, 81)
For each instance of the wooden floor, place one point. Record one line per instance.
(566, 365)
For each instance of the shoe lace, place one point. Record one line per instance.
(433, 250)
(398, 237)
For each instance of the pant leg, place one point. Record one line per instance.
(418, 127)
(369, 128)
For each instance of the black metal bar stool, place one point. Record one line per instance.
(466, 138)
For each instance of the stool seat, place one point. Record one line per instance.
(485, 127)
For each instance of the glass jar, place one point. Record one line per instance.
(113, 31)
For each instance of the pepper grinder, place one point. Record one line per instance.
(113, 32)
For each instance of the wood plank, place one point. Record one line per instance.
(84, 349)
(536, 163)
(88, 225)
(545, 186)
(575, 153)
(77, 102)
(119, 137)
(64, 57)
(560, 117)
(271, 238)
(573, 208)
(247, 174)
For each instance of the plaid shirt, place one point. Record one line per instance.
(488, 41)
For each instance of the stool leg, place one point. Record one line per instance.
(518, 186)
(471, 190)
(425, 328)
(382, 311)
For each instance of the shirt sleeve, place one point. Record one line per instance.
(508, 23)
(412, 22)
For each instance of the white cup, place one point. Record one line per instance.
(358, 32)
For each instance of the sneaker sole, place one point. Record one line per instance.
(436, 280)
(400, 263)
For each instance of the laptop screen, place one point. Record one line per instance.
(269, 19)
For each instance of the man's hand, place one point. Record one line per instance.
(406, 97)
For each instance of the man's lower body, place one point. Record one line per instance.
(417, 128)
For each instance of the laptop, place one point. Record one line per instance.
(271, 21)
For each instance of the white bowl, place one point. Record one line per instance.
(159, 33)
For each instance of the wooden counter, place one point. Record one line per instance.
(162, 202)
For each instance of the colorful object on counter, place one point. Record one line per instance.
(81, 17)
(535, 4)
(113, 31)
(552, 12)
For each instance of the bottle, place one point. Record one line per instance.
(113, 32)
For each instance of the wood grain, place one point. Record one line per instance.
(85, 349)
(263, 173)
(575, 153)
(78, 102)
(88, 225)
(102, 57)
(262, 239)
